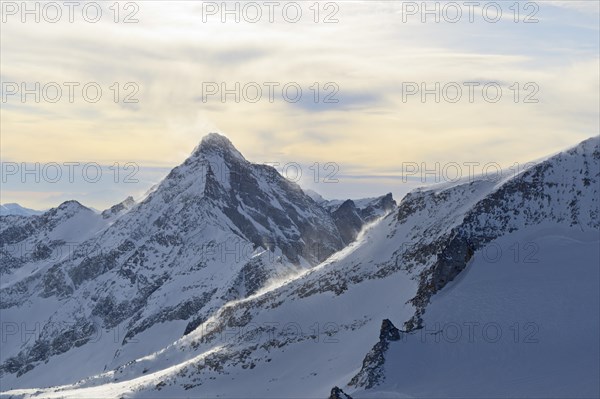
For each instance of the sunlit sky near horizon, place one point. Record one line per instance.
(370, 55)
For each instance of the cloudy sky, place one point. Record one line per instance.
(368, 57)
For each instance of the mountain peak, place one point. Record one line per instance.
(71, 205)
(216, 138)
(215, 143)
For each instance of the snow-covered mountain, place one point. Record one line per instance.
(18, 210)
(230, 281)
(217, 229)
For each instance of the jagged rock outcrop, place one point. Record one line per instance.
(351, 216)
(119, 209)
(378, 207)
(371, 372)
(348, 221)
(337, 393)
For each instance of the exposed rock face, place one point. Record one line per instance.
(350, 218)
(369, 209)
(119, 209)
(348, 221)
(377, 208)
(371, 372)
(337, 393)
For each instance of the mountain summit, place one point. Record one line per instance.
(216, 142)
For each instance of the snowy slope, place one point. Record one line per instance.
(522, 322)
(301, 333)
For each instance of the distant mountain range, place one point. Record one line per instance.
(16, 209)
